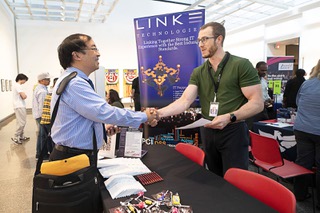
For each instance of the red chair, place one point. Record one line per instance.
(266, 155)
(263, 188)
(192, 152)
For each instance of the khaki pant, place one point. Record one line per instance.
(21, 118)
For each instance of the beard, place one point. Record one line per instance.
(211, 51)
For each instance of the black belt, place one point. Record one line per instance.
(73, 150)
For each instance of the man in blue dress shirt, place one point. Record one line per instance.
(81, 110)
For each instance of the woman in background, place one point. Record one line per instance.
(114, 99)
(307, 133)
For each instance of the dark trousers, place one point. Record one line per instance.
(226, 148)
(45, 129)
(308, 155)
(39, 138)
(137, 105)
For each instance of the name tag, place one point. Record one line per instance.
(214, 107)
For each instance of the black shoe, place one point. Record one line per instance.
(24, 138)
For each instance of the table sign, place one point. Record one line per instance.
(133, 144)
(108, 149)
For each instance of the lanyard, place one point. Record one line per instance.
(216, 85)
(103, 127)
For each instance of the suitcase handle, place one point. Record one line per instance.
(65, 184)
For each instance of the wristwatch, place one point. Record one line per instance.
(233, 118)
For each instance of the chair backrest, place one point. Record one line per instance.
(263, 188)
(192, 152)
(265, 150)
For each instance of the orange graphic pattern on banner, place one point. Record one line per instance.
(161, 76)
(112, 79)
(128, 76)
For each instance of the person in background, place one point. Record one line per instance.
(262, 69)
(114, 99)
(19, 106)
(135, 94)
(307, 133)
(291, 89)
(39, 94)
(229, 85)
(46, 119)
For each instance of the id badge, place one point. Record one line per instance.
(213, 111)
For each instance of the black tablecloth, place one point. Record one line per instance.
(198, 187)
(284, 135)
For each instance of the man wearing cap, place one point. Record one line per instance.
(39, 95)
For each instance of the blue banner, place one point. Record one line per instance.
(167, 53)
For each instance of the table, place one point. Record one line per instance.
(198, 187)
(284, 135)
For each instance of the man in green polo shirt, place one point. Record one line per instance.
(229, 90)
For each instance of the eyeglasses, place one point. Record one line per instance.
(92, 48)
(204, 39)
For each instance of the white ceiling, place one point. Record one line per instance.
(235, 13)
(62, 10)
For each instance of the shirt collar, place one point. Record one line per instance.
(80, 73)
(221, 62)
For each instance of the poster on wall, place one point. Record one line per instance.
(7, 85)
(112, 79)
(167, 53)
(10, 85)
(280, 69)
(3, 86)
(128, 76)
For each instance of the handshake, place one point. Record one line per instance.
(153, 116)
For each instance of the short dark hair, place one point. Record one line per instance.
(21, 76)
(300, 73)
(217, 28)
(260, 63)
(74, 42)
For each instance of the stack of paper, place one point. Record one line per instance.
(118, 166)
(199, 123)
(122, 186)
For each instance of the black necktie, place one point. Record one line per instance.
(91, 83)
(103, 127)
